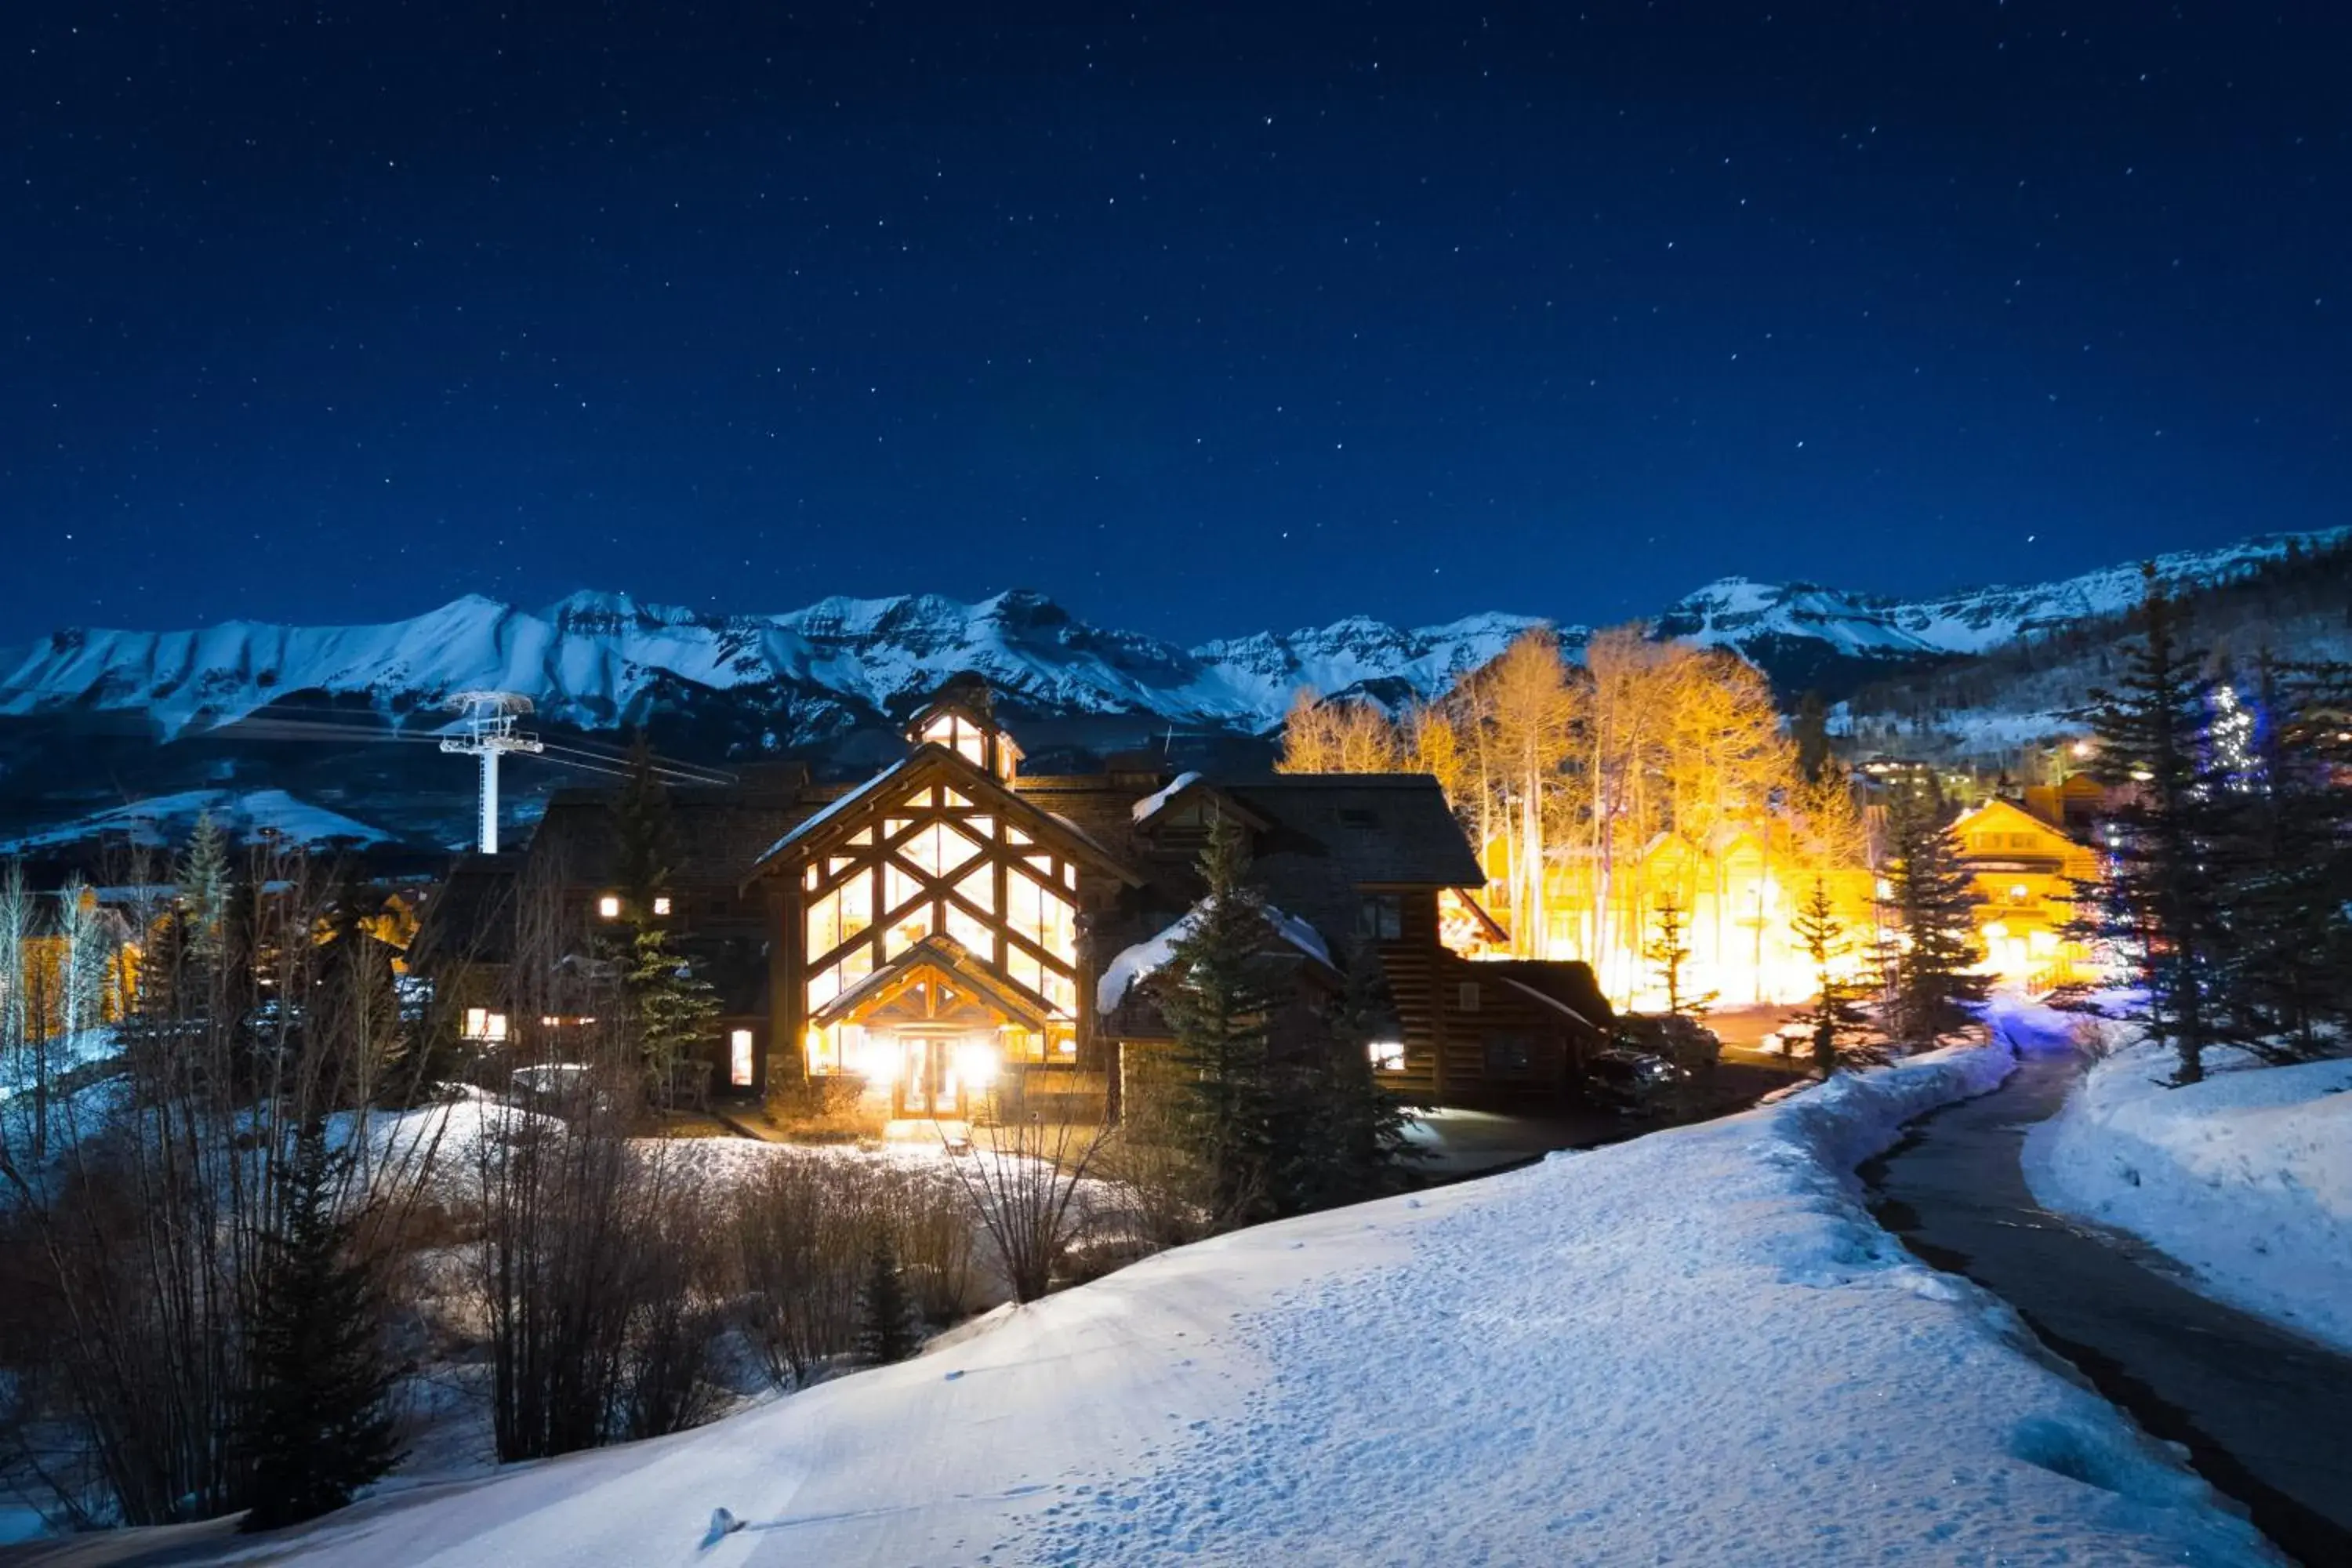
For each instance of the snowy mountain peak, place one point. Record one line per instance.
(600, 659)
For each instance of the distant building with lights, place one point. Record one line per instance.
(2025, 871)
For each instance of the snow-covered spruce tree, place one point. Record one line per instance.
(886, 1311)
(1935, 904)
(2160, 901)
(1834, 1015)
(1223, 1098)
(316, 1426)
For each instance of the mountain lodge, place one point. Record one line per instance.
(953, 924)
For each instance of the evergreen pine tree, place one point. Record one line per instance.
(1934, 903)
(1668, 953)
(2287, 869)
(1345, 1132)
(886, 1309)
(2161, 900)
(672, 1006)
(316, 1425)
(205, 881)
(644, 836)
(1220, 1011)
(1810, 730)
(1833, 1017)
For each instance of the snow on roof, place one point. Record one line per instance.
(1148, 958)
(844, 803)
(1150, 807)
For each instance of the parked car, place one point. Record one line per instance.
(1680, 1039)
(1631, 1080)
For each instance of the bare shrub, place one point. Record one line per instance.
(145, 1203)
(1024, 1178)
(805, 1229)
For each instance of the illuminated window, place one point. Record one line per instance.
(661, 905)
(484, 1026)
(1388, 1055)
(1043, 916)
(738, 1058)
(609, 906)
(978, 939)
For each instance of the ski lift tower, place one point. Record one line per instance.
(486, 731)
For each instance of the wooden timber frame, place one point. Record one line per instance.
(943, 850)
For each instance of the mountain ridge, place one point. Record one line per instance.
(601, 660)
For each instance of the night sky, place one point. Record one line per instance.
(1200, 318)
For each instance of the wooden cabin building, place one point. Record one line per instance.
(954, 924)
(2025, 872)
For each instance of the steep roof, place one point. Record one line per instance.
(714, 834)
(1380, 828)
(976, 784)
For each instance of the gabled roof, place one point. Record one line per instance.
(954, 961)
(933, 763)
(2009, 818)
(1148, 958)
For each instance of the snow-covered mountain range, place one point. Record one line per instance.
(598, 661)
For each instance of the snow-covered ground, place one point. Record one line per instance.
(2246, 1177)
(1694, 1347)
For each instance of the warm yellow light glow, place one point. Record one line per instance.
(877, 1057)
(661, 906)
(2081, 748)
(1994, 930)
(609, 906)
(975, 1063)
(738, 1058)
(1388, 1055)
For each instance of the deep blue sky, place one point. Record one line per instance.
(1199, 317)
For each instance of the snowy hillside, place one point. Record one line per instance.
(808, 676)
(1694, 1347)
(165, 822)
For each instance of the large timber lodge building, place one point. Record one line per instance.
(953, 923)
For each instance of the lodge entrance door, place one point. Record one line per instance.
(928, 1084)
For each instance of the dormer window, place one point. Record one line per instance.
(961, 718)
(959, 735)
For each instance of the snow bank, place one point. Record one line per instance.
(2246, 1177)
(1692, 1348)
